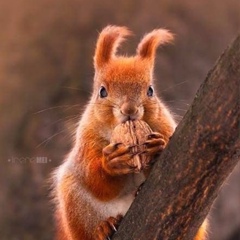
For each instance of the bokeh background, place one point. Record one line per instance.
(46, 50)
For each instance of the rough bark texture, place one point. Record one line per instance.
(201, 154)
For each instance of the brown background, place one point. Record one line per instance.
(46, 50)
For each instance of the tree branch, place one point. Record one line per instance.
(200, 156)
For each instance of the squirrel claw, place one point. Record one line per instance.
(155, 144)
(154, 135)
(116, 145)
(117, 158)
(107, 228)
(139, 189)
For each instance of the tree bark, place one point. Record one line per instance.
(201, 154)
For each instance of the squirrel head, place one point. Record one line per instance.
(123, 86)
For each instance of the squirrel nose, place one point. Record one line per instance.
(128, 109)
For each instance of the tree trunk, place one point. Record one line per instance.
(202, 153)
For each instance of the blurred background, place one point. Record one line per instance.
(46, 50)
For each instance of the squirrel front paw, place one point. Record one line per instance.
(117, 159)
(107, 228)
(154, 145)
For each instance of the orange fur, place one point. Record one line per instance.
(147, 47)
(107, 44)
(95, 185)
(202, 232)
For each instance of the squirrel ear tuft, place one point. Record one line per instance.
(148, 45)
(108, 41)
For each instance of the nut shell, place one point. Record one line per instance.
(133, 134)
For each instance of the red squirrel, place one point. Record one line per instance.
(95, 186)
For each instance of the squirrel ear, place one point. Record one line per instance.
(147, 47)
(107, 44)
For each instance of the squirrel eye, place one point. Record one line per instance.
(103, 92)
(150, 91)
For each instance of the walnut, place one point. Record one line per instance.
(133, 133)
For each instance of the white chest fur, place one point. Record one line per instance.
(90, 206)
(121, 204)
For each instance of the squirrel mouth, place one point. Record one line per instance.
(125, 118)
